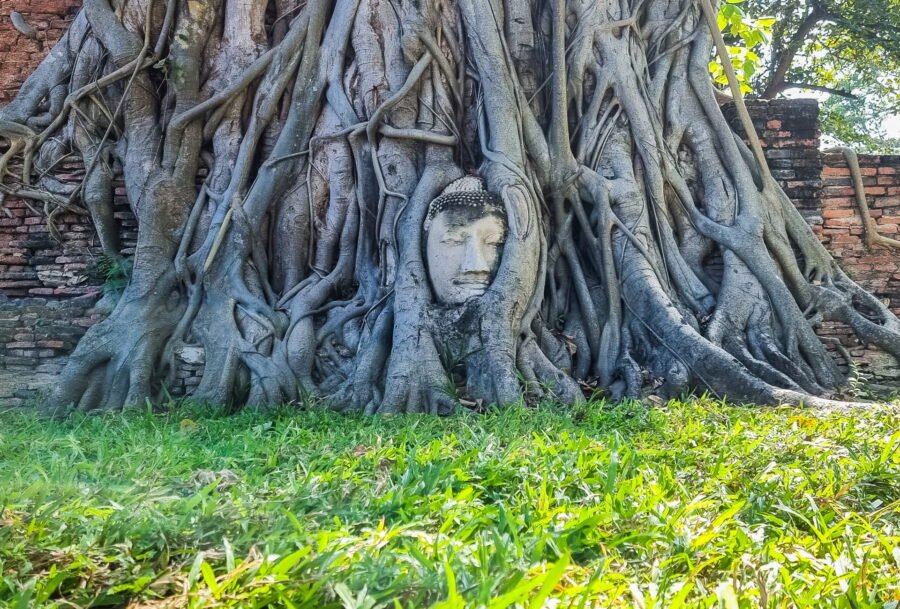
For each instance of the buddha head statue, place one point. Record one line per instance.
(464, 234)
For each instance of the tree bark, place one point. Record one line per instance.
(281, 158)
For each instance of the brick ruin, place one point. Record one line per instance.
(20, 55)
(51, 290)
(819, 184)
(877, 269)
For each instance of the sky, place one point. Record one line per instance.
(892, 126)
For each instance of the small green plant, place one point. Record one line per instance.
(113, 271)
(856, 382)
(744, 35)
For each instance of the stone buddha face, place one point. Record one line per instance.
(465, 233)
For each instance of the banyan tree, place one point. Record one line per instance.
(401, 205)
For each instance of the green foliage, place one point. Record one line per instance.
(857, 123)
(693, 504)
(851, 46)
(746, 35)
(113, 271)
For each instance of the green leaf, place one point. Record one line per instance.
(681, 596)
(727, 597)
(290, 561)
(209, 577)
(550, 580)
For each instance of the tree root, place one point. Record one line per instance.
(114, 364)
(870, 228)
(281, 196)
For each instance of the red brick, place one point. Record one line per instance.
(847, 221)
(839, 191)
(835, 171)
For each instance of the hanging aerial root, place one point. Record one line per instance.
(870, 228)
(281, 174)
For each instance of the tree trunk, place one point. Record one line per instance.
(286, 159)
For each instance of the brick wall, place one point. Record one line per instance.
(819, 185)
(789, 133)
(19, 55)
(842, 230)
(49, 286)
(54, 256)
(878, 268)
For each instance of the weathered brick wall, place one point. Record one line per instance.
(38, 326)
(49, 285)
(36, 333)
(842, 230)
(877, 268)
(790, 137)
(19, 55)
(54, 257)
(819, 185)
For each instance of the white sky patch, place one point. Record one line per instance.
(892, 126)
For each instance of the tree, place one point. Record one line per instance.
(287, 161)
(849, 49)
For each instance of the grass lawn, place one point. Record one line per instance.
(692, 504)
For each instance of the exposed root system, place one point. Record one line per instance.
(280, 157)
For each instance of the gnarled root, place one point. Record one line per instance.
(281, 170)
(116, 363)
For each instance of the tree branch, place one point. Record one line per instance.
(776, 83)
(824, 89)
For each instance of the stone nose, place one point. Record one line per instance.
(475, 260)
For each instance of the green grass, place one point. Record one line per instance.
(693, 504)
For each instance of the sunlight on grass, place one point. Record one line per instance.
(693, 504)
